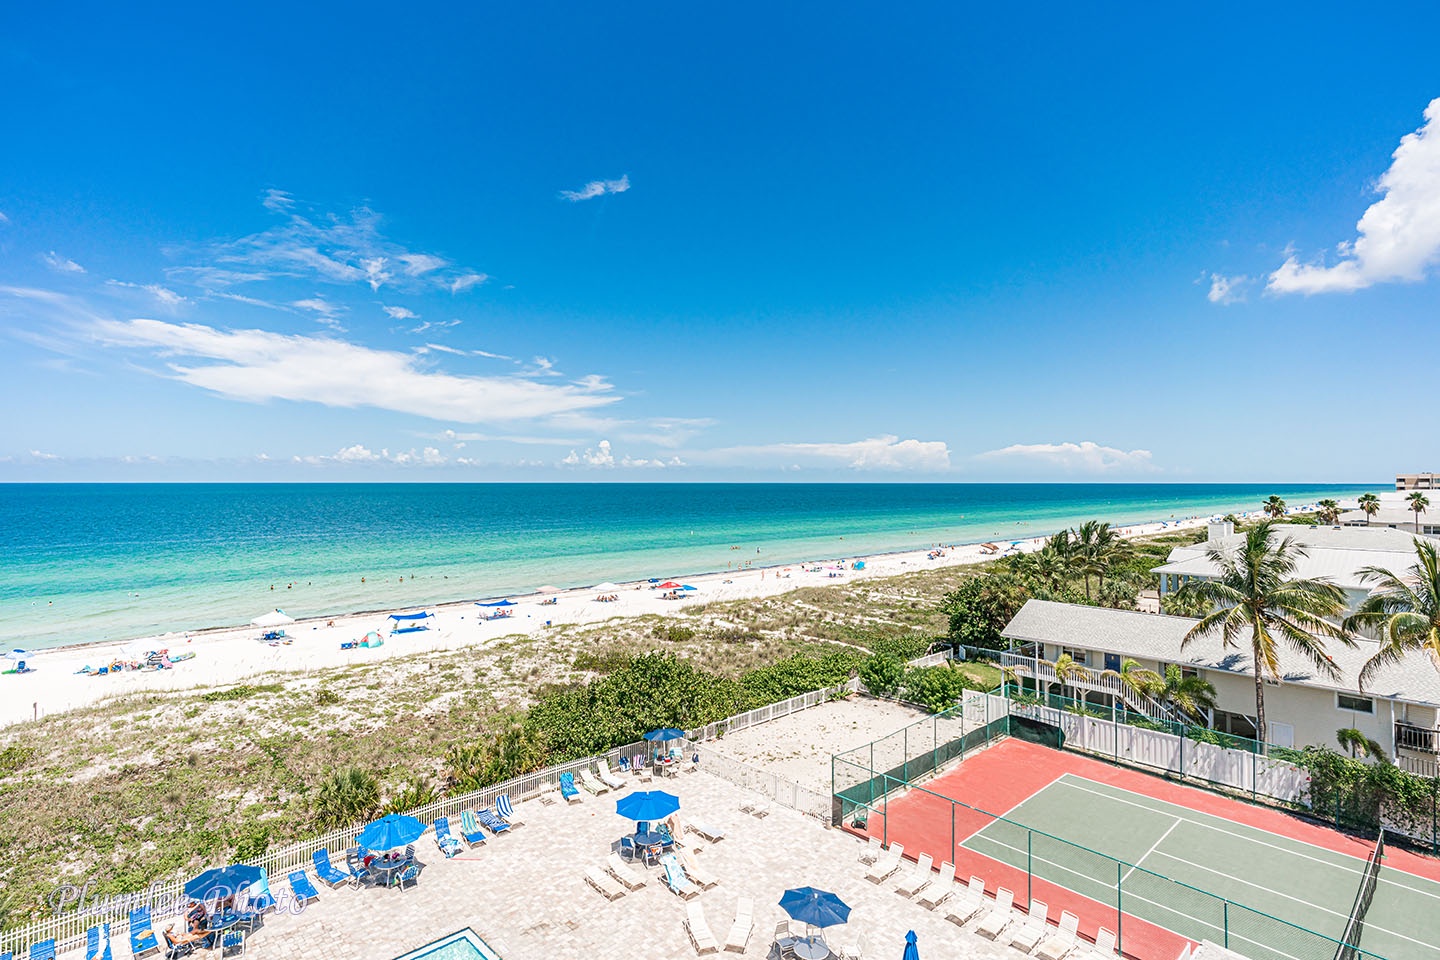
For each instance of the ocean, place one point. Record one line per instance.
(90, 562)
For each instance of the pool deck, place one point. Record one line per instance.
(526, 895)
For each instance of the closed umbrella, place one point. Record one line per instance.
(221, 882)
(912, 952)
(647, 805)
(389, 832)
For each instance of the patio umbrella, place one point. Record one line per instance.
(647, 805)
(16, 654)
(665, 733)
(818, 908)
(669, 585)
(275, 618)
(606, 587)
(688, 587)
(220, 882)
(389, 832)
(912, 952)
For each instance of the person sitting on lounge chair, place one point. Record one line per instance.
(196, 919)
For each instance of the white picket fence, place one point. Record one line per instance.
(1252, 773)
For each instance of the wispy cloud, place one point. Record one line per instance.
(3, 218)
(434, 325)
(258, 365)
(400, 313)
(467, 280)
(164, 295)
(1398, 236)
(360, 454)
(884, 453)
(1083, 457)
(61, 264)
(597, 188)
(1227, 290)
(325, 312)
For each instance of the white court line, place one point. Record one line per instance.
(1230, 832)
(1136, 865)
(1004, 816)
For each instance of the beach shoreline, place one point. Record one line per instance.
(232, 654)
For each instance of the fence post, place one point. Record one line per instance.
(905, 746)
(953, 848)
(1119, 910)
(1029, 869)
(1225, 904)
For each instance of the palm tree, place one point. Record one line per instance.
(1068, 670)
(1094, 548)
(1257, 591)
(1370, 504)
(1403, 610)
(346, 796)
(1360, 745)
(1184, 602)
(1048, 566)
(1418, 503)
(1135, 679)
(1329, 511)
(1274, 507)
(1193, 696)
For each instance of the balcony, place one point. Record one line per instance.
(1420, 739)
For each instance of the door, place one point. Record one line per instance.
(1112, 662)
(1281, 734)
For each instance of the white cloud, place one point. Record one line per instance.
(419, 263)
(600, 456)
(357, 453)
(467, 280)
(1226, 290)
(886, 453)
(655, 464)
(277, 201)
(1398, 236)
(258, 365)
(212, 278)
(61, 264)
(326, 312)
(3, 218)
(597, 188)
(400, 313)
(434, 325)
(41, 455)
(165, 296)
(1083, 457)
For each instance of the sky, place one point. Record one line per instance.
(667, 241)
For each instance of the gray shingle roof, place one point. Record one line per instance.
(1150, 636)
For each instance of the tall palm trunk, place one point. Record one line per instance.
(1259, 701)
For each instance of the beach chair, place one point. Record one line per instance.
(448, 845)
(602, 770)
(761, 810)
(871, 851)
(622, 871)
(940, 890)
(918, 878)
(998, 917)
(699, 930)
(142, 935)
(712, 833)
(261, 900)
(232, 941)
(505, 810)
(885, 866)
(968, 904)
(97, 943)
(675, 878)
(1027, 933)
(469, 829)
(1104, 946)
(591, 783)
(642, 770)
(548, 792)
(568, 789)
(491, 822)
(410, 875)
(327, 872)
(301, 889)
(739, 936)
(1062, 941)
(183, 945)
(44, 950)
(693, 764)
(695, 872)
(784, 939)
(603, 882)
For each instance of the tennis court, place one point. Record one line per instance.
(1165, 862)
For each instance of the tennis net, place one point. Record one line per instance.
(1355, 929)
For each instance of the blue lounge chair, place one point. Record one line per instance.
(97, 943)
(470, 830)
(568, 790)
(232, 939)
(410, 875)
(679, 884)
(142, 936)
(261, 900)
(506, 809)
(7, 955)
(448, 845)
(302, 888)
(44, 950)
(327, 872)
(492, 823)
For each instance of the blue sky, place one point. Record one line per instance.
(670, 242)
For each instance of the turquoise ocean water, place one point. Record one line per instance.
(89, 562)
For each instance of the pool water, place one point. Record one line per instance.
(462, 945)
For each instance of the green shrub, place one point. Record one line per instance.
(346, 796)
(14, 757)
(935, 688)
(882, 674)
(243, 692)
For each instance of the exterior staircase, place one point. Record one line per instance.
(1044, 671)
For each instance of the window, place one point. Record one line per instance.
(1345, 701)
(1081, 657)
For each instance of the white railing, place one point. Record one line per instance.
(785, 792)
(772, 711)
(1103, 681)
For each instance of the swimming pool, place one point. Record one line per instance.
(461, 945)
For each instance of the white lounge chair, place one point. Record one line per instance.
(603, 882)
(918, 878)
(872, 850)
(621, 870)
(1062, 941)
(710, 832)
(939, 891)
(695, 871)
(1028, 932)
(699, 930)
(1104, 946)
(548, 793)
(739, 936)
(887, 865)
(606, 777)
(994, 922)
(968, 903)
(590, 783)
(762, 809)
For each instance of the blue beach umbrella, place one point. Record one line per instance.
(16, 654)
(389, 832)
(496, 603)
(220, 882)
(818, 908)
(665, 733)
(647, 805)
(912, 952)
(688, 587)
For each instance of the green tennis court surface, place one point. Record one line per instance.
(1160, 842)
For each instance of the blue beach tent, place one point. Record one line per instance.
(410, 622)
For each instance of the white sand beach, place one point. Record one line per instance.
(230, 655)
